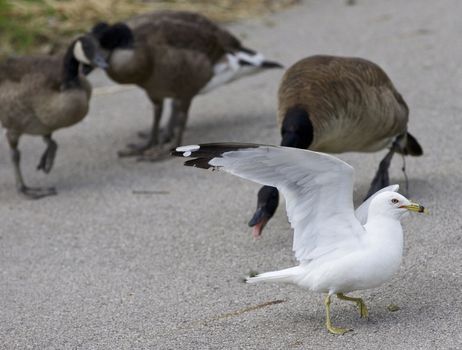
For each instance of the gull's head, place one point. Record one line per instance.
(394, 205)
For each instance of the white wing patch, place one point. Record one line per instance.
(223, 73)
(256, 59)
(231, 69)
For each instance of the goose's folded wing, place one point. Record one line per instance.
(363, 209)
(318, 189)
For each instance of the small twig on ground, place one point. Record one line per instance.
(149, 192)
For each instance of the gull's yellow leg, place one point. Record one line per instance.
(361, 305)
(330, 328)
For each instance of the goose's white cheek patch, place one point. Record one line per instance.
(79, 54)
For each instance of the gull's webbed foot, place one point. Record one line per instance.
(330, 328)
(363, 312)
(36, 192)
(336, 330)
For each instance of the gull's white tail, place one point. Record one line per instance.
(289, 275)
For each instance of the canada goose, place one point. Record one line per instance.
(339, 249)
(174, 55)
(40, 94)
(339, 104)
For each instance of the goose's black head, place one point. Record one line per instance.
(267, 203)
(84, 51)
(297, 129)
(98, 29)
(109, 38)
(117, 36)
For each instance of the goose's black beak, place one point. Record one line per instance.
(258, 222)
(99, 61)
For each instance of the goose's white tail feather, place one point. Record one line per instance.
(255, 59)
(290, 275)
(235, 66)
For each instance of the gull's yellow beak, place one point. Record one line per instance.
(415, 207)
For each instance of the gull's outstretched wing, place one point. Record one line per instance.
(318, 189)
(363, 209)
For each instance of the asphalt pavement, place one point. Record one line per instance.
(134, 255)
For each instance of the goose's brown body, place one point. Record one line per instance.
(32, 100)
(222, 39)
(177, 55)
(174, 56)
(339, 104)
(40, 94)
(351, 103)
(161, 70)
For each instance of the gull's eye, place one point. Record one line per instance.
(394, 201)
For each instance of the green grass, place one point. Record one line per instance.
(19, 30)
(48, 25)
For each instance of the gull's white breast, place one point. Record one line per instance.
(365, 265)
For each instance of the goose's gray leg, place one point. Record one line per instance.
(406, 179)
(48, 157)
(181, 115)
(29, 192)
(153, 139)
(167, 135)
(381, 178)
(174, 132)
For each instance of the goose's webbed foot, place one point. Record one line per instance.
(165, 135)
(157, 153)
(36, 192)
(143, 134)
(137, 149)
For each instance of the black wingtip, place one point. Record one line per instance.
(271, 64)
(175, 153)
(202, 163)
(202, 154)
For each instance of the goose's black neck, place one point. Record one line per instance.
(70, 69)
(297, 129)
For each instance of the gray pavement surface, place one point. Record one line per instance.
(101, 266)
